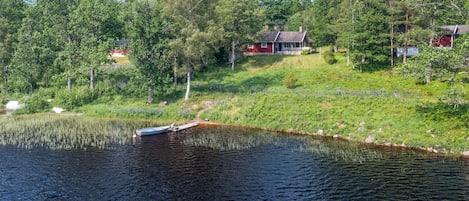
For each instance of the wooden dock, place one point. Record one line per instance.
(184, 127)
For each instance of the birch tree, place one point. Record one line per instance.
(240, 21)
(198, 37)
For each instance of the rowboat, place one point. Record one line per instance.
(153, 130)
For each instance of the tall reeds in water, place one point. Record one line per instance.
(224, 139)
(228, 139)
(62, 132)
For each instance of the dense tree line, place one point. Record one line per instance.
(65, 45)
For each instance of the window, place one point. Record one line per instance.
(287, 45)
(250, 46)
(263, 45)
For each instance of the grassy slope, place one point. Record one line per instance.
(333, 98)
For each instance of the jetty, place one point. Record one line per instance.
(184, 127)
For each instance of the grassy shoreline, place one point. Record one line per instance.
(329, 100)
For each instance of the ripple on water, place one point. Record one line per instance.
(282, 168)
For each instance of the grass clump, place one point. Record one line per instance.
(290, 80)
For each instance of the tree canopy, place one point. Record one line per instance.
(66, 44)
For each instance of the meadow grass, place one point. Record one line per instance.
(336, 99)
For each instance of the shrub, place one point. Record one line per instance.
(305, 51)
(454, 96)
(77, 97)
(290, 80)
(328, 56)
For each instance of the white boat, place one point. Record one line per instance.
(153, 130)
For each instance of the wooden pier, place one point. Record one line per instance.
(184, 127)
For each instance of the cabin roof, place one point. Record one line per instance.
(456, 29)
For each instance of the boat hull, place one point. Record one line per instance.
(153, 130)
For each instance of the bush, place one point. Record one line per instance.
(328, 56)
(454, 95)
(290, 80)
(305, 51)
(77, 97)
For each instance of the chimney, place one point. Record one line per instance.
(301, 29)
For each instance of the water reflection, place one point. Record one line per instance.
(277, 167)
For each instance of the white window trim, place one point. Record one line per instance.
(250, 46)
(263, 45)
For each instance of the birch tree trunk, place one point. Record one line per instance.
(428, 74)
(233, 55)
(151, 96)
(188, 89)
(92, 81)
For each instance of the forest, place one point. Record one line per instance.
(61, 49)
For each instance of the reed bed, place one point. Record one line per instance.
(63, 132)
(230, 139)
(233, 139)
(340, 150)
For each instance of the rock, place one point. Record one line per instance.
(370, 139)
(164, 103)
(58, 110)
(320, 132)
(14, 105)
(362, 124)
(336, 136)
(340, 124)
(361, 129)
(465, 154)
(208, 103)
(195, 107)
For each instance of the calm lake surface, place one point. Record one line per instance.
(242, 164)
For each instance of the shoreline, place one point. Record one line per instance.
(430, 150)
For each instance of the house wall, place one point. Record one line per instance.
(256, 48)
(444, 41)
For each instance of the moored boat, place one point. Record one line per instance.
(153, 130)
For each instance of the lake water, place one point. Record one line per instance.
(240, 164)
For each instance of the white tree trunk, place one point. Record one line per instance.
(188, 89)
(92, 81)
(233, 56)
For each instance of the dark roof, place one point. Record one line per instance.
(456, 29)
(269, 36)
(291, 37)
(122, 42)
(282, 36)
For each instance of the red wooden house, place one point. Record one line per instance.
(121, 48)
(280, 42)
(450, 33)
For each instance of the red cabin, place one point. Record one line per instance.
(280, 43)
(450, 33)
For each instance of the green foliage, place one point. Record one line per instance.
(70, 99)
(290, 80)
(455, 95)
(37, 102)
(328, 56)
(305, 51)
